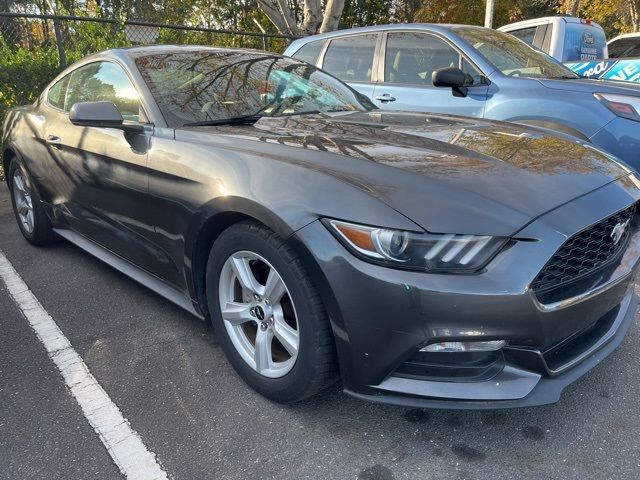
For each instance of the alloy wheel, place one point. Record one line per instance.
(258, 314)
(23, 202)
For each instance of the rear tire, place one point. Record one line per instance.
(270, 305)
(33, 221)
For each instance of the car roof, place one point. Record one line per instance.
(436, 27)
(541, 20)
(625, 35)
(143, 50)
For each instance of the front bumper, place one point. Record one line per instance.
(513, 387)
(382, 317)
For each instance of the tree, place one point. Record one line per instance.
(472, 11)
(314, 18)
(570, 7)
(612, 15)
(468, 12)
(370, 12)
(634, 14)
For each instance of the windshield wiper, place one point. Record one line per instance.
(243, 119)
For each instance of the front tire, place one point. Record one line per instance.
(32, 220)
(268, 316)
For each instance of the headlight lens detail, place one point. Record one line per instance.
(417, 251)
(624, 106)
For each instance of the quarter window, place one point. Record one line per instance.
(309, 52)
(351, 58)
(411, 58)
(56, 94)
(103, 81)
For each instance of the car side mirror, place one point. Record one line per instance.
(95, 114)
(454, 78)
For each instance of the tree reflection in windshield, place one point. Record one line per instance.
(512, 56)
(208, 85)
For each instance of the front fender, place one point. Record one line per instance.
(239, 207)
(523, 100)
(200, 184)
(552, 126)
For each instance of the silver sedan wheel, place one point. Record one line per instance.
(259, 314)
(22, 199)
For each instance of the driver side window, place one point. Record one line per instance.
(103, 81)
(412, 57)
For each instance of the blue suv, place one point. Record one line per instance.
(479, 72)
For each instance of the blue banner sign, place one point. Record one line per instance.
(627, 70)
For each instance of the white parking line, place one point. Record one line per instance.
(123, 444)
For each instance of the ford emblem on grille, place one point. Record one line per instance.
(618, 231)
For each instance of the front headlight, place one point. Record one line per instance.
(622, 105)
(427, 252)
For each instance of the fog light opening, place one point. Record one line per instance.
(487, 346)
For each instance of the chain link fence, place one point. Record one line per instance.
(74, 37)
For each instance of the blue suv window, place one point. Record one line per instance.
(351, 58)
(309, 52)
(411, 57)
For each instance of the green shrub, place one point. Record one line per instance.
(23, 74)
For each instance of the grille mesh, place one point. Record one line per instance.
(584, 253)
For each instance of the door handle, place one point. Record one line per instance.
(54, 141)
(385, 97)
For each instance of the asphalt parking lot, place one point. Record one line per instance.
(166, 373)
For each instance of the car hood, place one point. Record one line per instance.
(587, 85)
(445, 173)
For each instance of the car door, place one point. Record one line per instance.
(101, 177)
(408, 60)
(41, 148)
(350, 58)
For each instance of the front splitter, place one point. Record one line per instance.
(513, 388)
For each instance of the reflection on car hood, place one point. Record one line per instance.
(447, 174)
(589, 85)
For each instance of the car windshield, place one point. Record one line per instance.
(511, 56)
(212, 86)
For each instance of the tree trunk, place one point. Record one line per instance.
(634, 13)
(312, 14)
(275, 16)
(570, 7)
(313, 19)
(287, 16)
(332, 14)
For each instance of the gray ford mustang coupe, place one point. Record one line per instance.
(426, 260)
